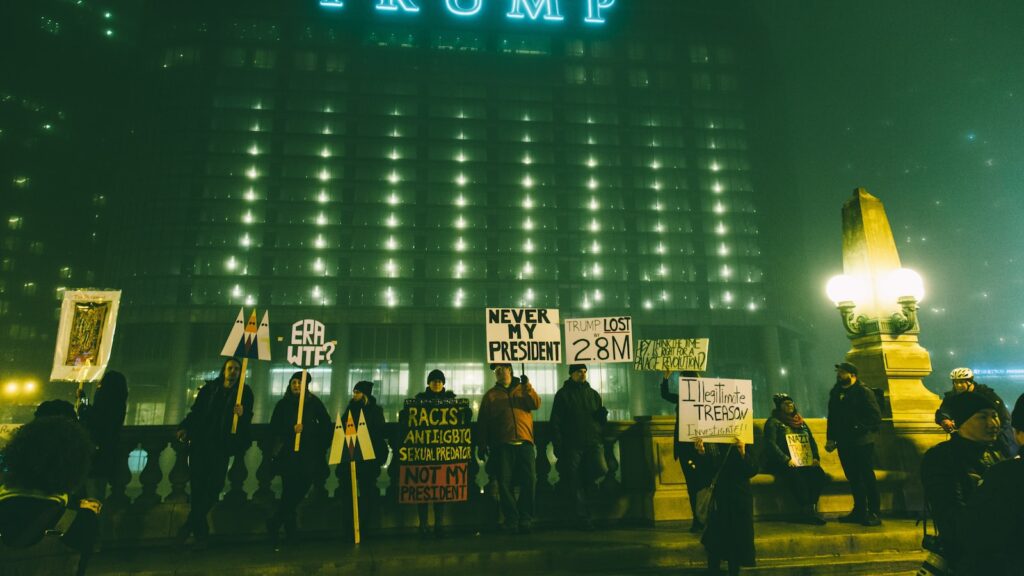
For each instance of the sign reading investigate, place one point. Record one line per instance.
(716, 410)
(526, 335)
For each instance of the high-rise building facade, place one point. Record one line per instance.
(393, 167)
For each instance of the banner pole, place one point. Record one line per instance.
(355, 501)
(302, 402)
(238, 399)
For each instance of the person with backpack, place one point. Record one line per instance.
(853, 421)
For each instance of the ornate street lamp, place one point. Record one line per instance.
(901, 287)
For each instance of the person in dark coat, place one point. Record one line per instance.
(577, 425)
(686, 454)
(805, 481)
(995, 514)
(853, 421)
(297, 469)
(104, 420)
(207, 430)
(951, 471)
(367, 471)
(729, 535)
(963, 381)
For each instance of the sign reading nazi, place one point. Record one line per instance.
(690, 354)
(716, 410)
(436, 450)
(599, 340)
(526, 335)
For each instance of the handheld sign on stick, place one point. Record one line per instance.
(246, 340)
(307, 350)
(524, 335)
(85, 336)
(352, 443)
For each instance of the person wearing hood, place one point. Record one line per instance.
(103, 418)
(577, 422)
(436, 390)
(952, 470)
(505, 432)
(297, 469)
(804, 480)
(207, 430)
(363, 403)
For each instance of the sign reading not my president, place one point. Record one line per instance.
(525, 335)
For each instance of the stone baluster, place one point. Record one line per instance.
(236, 477)
(543, 463)
(122, 475)
(265, 471)
(151, 475)
(179, 474)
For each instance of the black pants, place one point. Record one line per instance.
(696, 480)
(423, 510)
(207, 471)
(580, 471)
(516, 467)
(369, 494)
(294, 486)
(859, 466)
(805, 483)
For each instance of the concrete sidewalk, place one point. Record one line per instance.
(783, 549)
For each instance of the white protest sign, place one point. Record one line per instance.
(800, 449)
(685, 355)
(717, 410)
(85, 335)
(308, 345)
(525, 335)
(599, 340)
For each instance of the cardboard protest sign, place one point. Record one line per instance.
(436, 450)
(800, 449)
(246, 340)
(717, 410)
(337, 442)
(599, 340)
(6, 431)
(85, 335)
(356, 440)
(308, 349)
(524, 335)
(690, 354)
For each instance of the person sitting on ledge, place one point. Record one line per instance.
(801, 473)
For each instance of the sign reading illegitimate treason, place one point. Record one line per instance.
(526, 335)
(599, 340)
(591, 11)
(435, 453)
(716, 410)
(690, 354)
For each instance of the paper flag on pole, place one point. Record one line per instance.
(337, 443)
(247, 340)
(357, 440)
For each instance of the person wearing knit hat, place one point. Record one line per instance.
(995, 514)
(577, 424)
(952, 471)
(805, 480)
(963, 381)
(854, 418)
(363, 403)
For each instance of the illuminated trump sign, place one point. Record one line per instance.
(591, 11)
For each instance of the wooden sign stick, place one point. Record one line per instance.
(302, 403)
(355, 501)
(238, 399)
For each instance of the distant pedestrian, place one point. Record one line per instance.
(963, 381)
(577, 427)
(297, 469)
(729, 536)
(804, 480)
(853, 421)
(103, 418)
(691, 463)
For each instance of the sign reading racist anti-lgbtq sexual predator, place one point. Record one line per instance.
(716, 410)
(525, 335)
(435, 453)
(689, 354)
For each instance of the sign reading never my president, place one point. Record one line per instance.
(526, 335)
(435, 453)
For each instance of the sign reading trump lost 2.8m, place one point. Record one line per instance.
(590, 11)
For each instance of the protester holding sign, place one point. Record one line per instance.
(207, 430)
(791, 455)
(853, 422)
(505, 433)
(685, 453)
(364, 405)
(577, 424)
(729, 535)
(104, 419)
(297, 469)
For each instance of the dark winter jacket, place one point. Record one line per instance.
(104, 420)
(374, 424)
(776, 453)
(506, 414)
(577, 416)
(208, 422)
(730, 529)
(1006, 442)
(995, 517)
(317, 427)
(853, 415)
(950, 474)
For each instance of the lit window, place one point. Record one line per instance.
(595, 248)
(460, 201)
(231, 264)
(528, 246)
(594, 226)
(322, 197)
(391, 221)
(252, 173)
(460, 223)
(592, 184)
(319, 242)
(391, 243)
(461, 180)
(254, 150)
(528, 224)
(528, 203)
(325, 153)
(593, 205)
(720, 229)
(591, 162)
(393, 199)
(527, 181)
(321, 219)
(460, 245)
(318, 265)
(527, 159)
(394, 178)
(250, 195)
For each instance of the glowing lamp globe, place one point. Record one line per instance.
(844, 288)
(902, 283)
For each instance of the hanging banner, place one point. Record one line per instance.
(523, 335)
(246, 340)
(436, 450)
(800, 449)
(599, 340)
(684, 355)
(85, 335)
(309, 348)
(717, 410)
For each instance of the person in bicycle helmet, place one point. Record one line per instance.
(963, 381)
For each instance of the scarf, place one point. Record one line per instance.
(794, 420)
